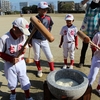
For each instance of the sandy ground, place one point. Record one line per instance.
(37, 83)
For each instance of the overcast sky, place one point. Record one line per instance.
(15, 3)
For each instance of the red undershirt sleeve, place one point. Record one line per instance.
(76, 40)
(6, 57)
(93, 49)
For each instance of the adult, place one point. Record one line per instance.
(90, 25)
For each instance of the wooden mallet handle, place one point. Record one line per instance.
(86, 39)
(83, 36)
(95, 45)
(27, 41)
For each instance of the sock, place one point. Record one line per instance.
(27, 93)
(71, 62)
(65, 61)
(51, 65)
(98, 87)
(13, 91)
(38, 65)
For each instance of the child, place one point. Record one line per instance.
(39, 41)
(95, 65)
(69, 40)
(15, 67)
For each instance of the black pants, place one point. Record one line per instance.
(83, 52)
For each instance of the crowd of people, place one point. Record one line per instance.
(13, 41)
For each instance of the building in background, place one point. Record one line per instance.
(5, 6)
(23, 4)
(77, 7)
(68, 6)
(64, 6)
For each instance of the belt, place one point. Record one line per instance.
(70, 41)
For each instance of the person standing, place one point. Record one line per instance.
(39, 41)
(15, 67)
(90, 25)
(95, 64)
(69, 40)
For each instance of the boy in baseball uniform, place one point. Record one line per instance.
(39, 41)
(95, 64)
(69, 40)
(15, 67)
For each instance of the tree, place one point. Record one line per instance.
(25, 9)
(33, 8)
(51, 5)
(66, 7)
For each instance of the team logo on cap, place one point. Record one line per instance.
(68, 16)
(45, 3)
(27, 26)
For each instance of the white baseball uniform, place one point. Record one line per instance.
(95, 64)
(39, 41)
(44, 45)
(69, 40)
(11, 46)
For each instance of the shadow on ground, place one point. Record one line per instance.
(95, 92)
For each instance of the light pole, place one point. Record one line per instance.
(15, 9)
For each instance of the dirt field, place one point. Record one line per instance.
(37, 83)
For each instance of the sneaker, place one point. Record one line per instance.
(98, 91)
(80, 65)
(29, 98)
(64, 67)
(12, 96)
(39, 74)
(71, 67)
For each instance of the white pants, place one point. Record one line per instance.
(95, 66)
(69, 48)
(16, 72)
(99, 80)
(41, 44)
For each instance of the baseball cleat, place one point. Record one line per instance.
(64, 67)
(39, 74)
(29, 98)
(12, 96)
(71, 67)
(98, 91)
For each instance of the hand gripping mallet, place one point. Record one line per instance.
(37, 26)
(86, 39)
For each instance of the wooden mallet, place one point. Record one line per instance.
(86, 39)
(37, 26)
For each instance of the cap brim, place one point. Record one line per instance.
(68, 19)
(44, 7)
(25, 31)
